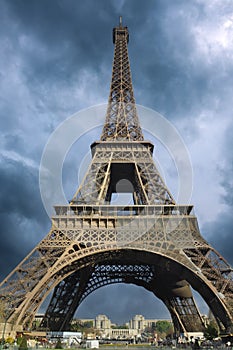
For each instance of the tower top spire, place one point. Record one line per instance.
(122, 123)
(120, 32)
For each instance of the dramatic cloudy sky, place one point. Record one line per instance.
(56, 59)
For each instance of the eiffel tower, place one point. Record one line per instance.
(153, 242)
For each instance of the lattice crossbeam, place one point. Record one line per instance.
(78, 286)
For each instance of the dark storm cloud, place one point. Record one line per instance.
(126, 301)
(172, 75)
(56, 59)
(220, 231)
(55, 48)
(227, 170)
(12, 174)
(65, 36)
(164, 62)
(22, 217)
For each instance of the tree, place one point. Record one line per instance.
(78, 325)
(58, 344)
(164, 328)
(22, 342)
(211, 331)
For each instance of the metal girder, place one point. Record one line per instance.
(85, 239)
(76, 287)
(64, 301)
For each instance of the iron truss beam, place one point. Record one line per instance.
(69, 294)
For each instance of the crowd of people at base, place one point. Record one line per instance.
(197, 344)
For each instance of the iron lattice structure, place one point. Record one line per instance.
(153, 242)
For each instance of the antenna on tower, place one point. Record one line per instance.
(120, 21)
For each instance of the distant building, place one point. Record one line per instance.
(108, 330)
(38, 317)
(137, 322)
(134, 328)
(140, 323)
(102, 322)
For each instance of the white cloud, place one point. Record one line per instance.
(207, 159)
(213, 33)
(12, 155)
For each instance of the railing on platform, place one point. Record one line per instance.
(132, 210)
